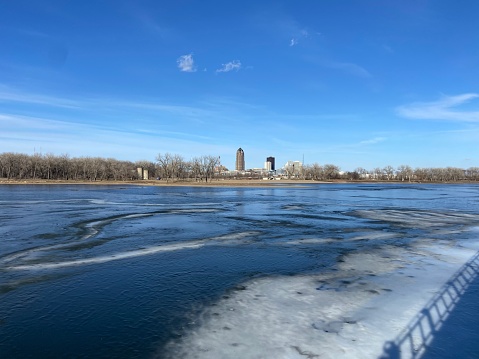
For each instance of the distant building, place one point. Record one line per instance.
(142, 173)
(240, 166)
(293, 168)
(270, 166)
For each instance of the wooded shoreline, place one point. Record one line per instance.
(213, 183)
(172, 167)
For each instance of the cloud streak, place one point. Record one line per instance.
(234, 65)
(24, 133)
(443, 109)
(347, 68)
(10, 95)
(186, 63)
(47, 105)
(350, 68)
(372, 141)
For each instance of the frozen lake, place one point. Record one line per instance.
(329, 271)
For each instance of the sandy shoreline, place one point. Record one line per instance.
(214, 183)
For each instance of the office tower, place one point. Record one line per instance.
(240, 160)
(271, 160)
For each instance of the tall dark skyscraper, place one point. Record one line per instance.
(271, 160)
(240, 160)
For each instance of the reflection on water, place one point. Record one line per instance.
(141, 271)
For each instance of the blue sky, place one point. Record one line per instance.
(353, 83)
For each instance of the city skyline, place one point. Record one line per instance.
(367, 83)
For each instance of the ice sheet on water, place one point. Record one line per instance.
(23, 260)
(147, 204)
(95, 226)
(347, 313)
(417, 218)
(89, 230)
(292, 207)
(358, 236)
(108, 258)
(310, 241)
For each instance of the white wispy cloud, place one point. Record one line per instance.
(388, 49)
(24, 133)
(148, 20)
(32, 33)
(350, 68)
(443, 109)
(47, 105)
(8, 94)
(345, 67)
(298, 36)
(372, 141)
(186, 63)
(153, 26)
(230, 66)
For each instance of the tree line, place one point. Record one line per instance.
(52, 167)
(200, 168)
(173, 167)
(63, 167)
(402, 173)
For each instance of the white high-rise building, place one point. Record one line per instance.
(293, 167)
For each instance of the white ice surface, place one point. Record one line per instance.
(25, 256)
(349, 313)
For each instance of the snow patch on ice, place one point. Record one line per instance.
(348, 313)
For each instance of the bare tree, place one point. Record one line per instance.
(362, 173)
(7, 162)
(195, 166)
(177, 165)
(208, 165)
(404, 172)
(317, 172)
(165, 163)
(378, 173)
(454, 173)
(389, 172)
(183, 169)
(289, 171)
(24, 163)
(420, 174)
(472, 173)
(331, 171)
(352, 176)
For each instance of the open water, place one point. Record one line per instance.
(279, 272)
